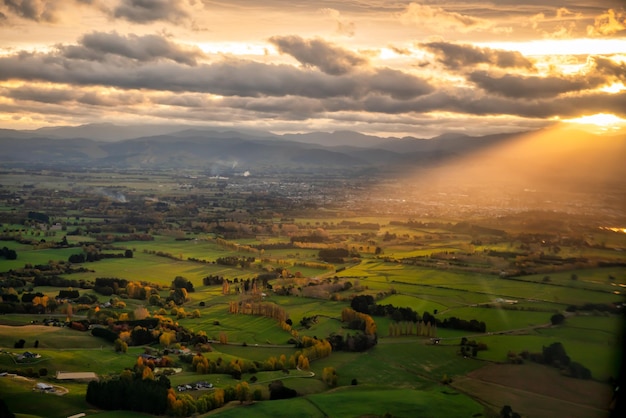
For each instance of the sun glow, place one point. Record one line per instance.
(547, 47)
(603, 122)
(614, 88)
(236, 48)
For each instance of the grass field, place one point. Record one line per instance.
(499, 319)
(400, 375)
(49, 337)
(365, 401)
(19, 396)
(598, 349)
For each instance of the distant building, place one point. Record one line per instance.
(43, 387)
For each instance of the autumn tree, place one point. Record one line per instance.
(120, 346)
(167, 338)
(147, 374)
(243, 392)
(303, 362)
(329, 376)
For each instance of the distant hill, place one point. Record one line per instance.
(549, 155)
(107, 145)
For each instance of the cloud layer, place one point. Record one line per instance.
(373, 66)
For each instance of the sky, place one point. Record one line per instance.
(384, 67)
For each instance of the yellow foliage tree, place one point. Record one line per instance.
(141, 313)
(329, 376)
(167, 338)
(243, 392)
(125, 336)
(147, 374)
(303, 362)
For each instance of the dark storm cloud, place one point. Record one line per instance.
(318, 53)
(228, 78)
(97, 45)
(472, 102)
(458, 57)
(610, 68)
(284, 92)
(36, 10)
(147, 11)
(63, 96)
(531, 87)
(40, 95)
(564, 107)
(601, 72)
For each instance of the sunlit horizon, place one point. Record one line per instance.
(603, 122)
(381, 68)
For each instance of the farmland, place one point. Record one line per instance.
(239, 279)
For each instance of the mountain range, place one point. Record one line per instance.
(560, 154)
(107, 145)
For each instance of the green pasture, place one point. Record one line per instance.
(293, 254)
(277, 409)
(598, 349)
(298, 307)
(323, 327)
(611, 324)
(400, 251)
(239, 328)
(102, 362)
(20, 398)
(454, 334)
(467, 287)
(254, 353)
(202, 249)
(188, 377)
(499, 319)
(418, 304)
(29, 255)
(596, 279)
(406, 362)
(154, 269)
(363, 400)
(49, 337)
(304, 386)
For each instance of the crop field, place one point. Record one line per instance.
(525, 388)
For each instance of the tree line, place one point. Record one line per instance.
(366, 304)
